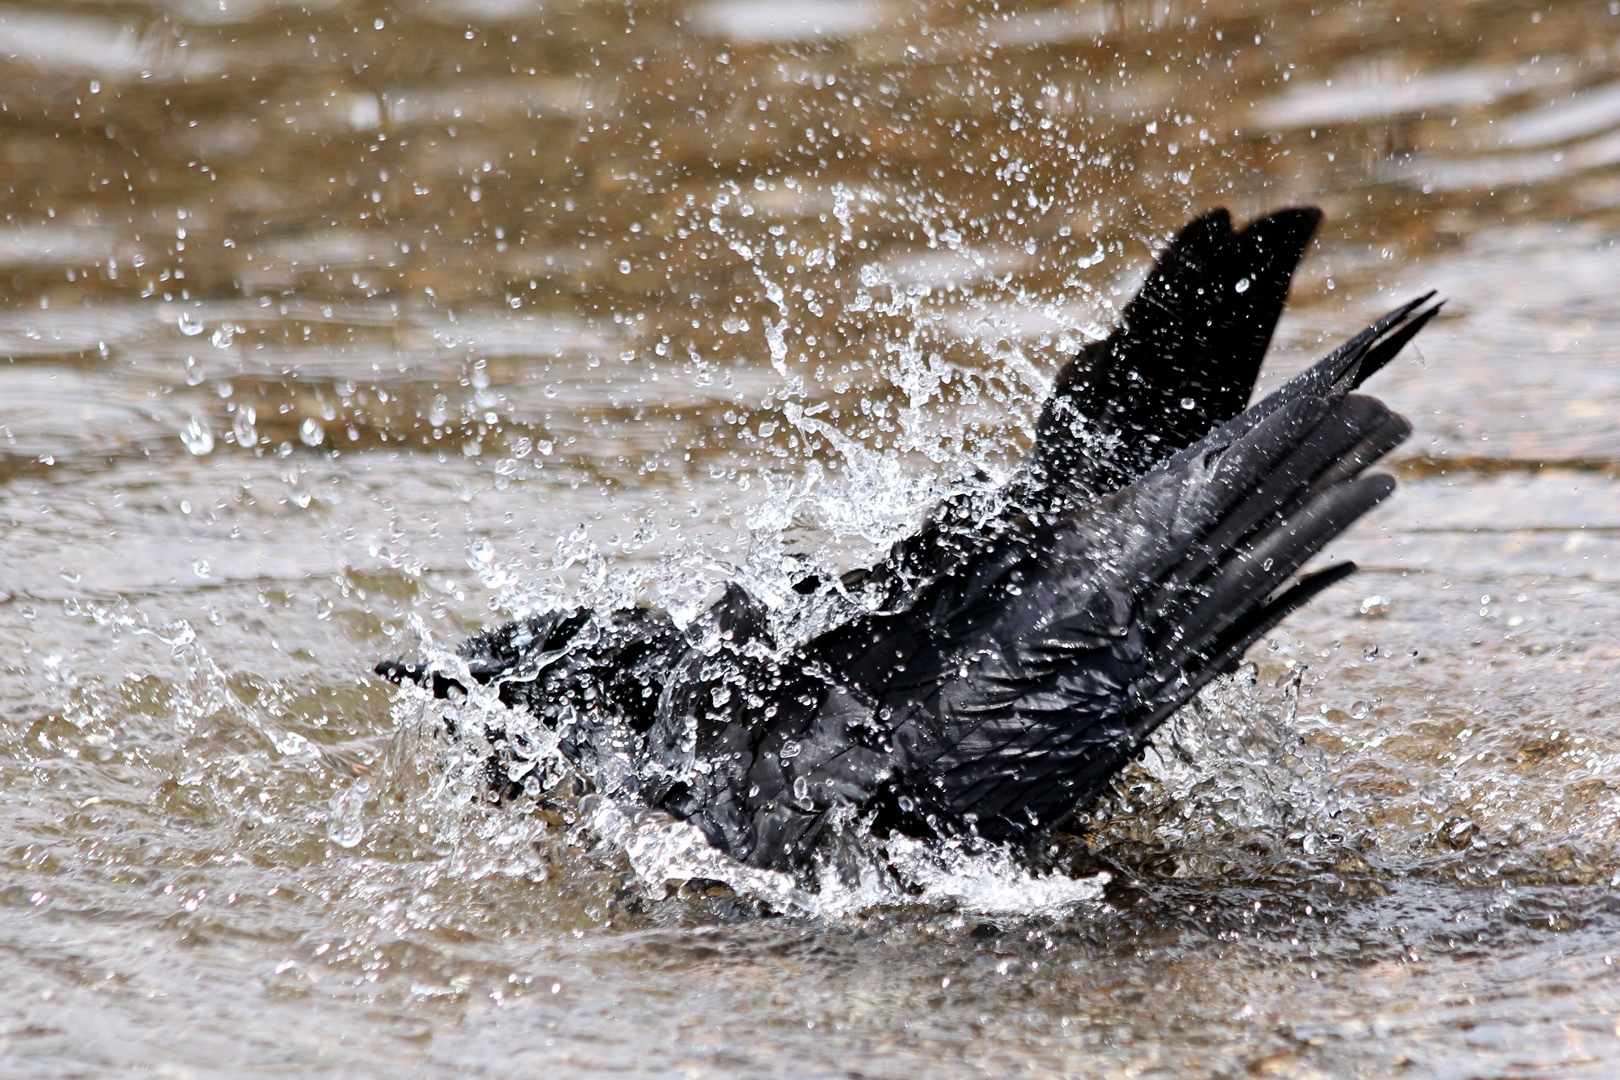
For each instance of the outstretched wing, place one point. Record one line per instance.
(1183, 360)
(1018, 686)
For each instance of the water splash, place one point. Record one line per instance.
(347, 827)
(849, 484)
(857, 871)
(865, 874)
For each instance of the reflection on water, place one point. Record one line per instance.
(333, 326)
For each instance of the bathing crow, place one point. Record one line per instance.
(1021, 647)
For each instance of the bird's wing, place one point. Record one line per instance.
(1183, 359)
(1019, 685)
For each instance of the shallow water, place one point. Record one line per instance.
(338, 328)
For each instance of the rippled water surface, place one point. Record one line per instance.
(334, 330)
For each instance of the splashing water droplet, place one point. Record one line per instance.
(1188, 403)
(189, 324)
(242, 425)
(1373, 607)
(345, 827)
(198, 439)
(1242, 285)
(310, 433)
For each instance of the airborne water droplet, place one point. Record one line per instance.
(198, 439)
(344, 827)
(242, 424)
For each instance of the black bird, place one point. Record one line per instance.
(1020, 648)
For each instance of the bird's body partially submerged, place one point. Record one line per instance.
(1012, 656)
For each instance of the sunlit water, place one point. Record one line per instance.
(336, 330)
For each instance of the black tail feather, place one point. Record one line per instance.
(1185, 357)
